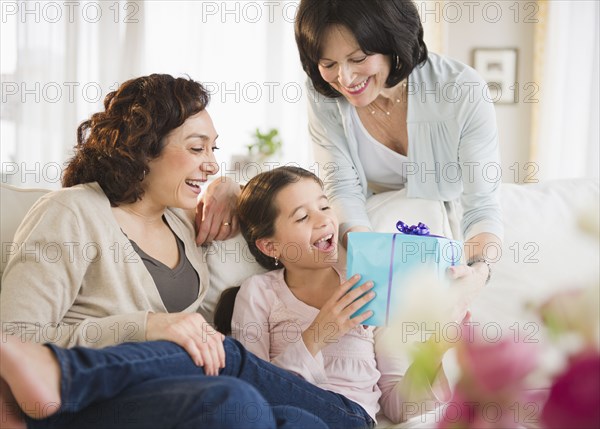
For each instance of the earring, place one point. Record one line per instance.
(276, 261)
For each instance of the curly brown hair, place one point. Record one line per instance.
(256, 208)
(114, 146)
(388, 27)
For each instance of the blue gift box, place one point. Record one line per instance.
(391, 259)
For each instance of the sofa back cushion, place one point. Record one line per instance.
(15, 203)
(230, 261)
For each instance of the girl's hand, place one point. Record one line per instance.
(215, 214)
(336, 313)
(193, 333)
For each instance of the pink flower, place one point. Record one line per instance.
(574, 310)
(574, 400)
(491, 390)
(494, 366)
(467, 411)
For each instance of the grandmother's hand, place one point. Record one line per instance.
(216, 218)
(192, 332)
(470, 280)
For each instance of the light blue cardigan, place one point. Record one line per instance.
(452, 147)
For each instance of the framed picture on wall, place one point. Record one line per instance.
(498, 66)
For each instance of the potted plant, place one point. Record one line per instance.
(265, 145)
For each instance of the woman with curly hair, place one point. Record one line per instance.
(111, 257)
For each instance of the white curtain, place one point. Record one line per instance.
(565, 135)
(69, 55)
(246, 55)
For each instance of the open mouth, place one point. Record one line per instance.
(325, 243)
(194, 184)
(357, 89)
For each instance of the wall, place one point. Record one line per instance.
(183, 37)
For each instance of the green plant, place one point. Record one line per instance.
(265, 144)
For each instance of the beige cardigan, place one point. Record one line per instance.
(75, 279)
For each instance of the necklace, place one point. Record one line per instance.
(373, 108)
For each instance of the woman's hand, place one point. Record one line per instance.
(215, 214)
(469, 282)
(193, 333)
(333, 321)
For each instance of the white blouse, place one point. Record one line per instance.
(384, 168)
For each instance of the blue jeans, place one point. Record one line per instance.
(93, 375)
(183, 402)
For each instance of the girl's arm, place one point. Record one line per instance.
(289, 344)
(251, 326)
(250, 319)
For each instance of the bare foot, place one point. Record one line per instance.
(32, 374)
(11, 416)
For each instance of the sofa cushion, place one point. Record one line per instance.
(15, 203)
(387, 208)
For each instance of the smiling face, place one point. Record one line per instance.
(176, 176)
(349, 70)
(306, 229)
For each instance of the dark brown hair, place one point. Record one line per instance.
(114, 146)
(257, 211)
(388, 27)
(224, 310)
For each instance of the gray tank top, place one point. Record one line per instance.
(178, 287)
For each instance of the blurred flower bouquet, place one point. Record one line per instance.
(493, 388)
(499, 382)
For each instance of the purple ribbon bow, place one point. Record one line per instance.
(419, 229)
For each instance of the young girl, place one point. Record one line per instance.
(298, 316)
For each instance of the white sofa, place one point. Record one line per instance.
(545, 248)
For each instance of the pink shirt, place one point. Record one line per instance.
(269, 320)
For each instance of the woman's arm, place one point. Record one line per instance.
(215, 217)
(481, 251)
(43, 279)
(479, 157)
